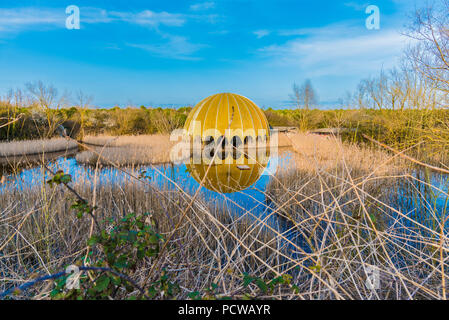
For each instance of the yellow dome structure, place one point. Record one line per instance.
(228, 178)
(230, 127)
(222, 112)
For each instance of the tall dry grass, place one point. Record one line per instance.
(154, 140)
(39, 233)
(347, 205)
(338, 221)
(136, 150)
(328, 152)
(17, 154)
(33, 147)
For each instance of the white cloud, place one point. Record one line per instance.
(333, 30)
(261, 33)
(149, 18)
(30, 18)
(21, 18)
(177, 47)
(339, 50)
(170, 46)
(202, 6)
(356, 6)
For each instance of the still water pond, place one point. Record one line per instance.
(164, 177)
(424, 198)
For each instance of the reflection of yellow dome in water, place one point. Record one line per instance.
(215, 112)
(227, 178)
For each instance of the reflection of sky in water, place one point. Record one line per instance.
(250, 202)
(252, 199)
(410, 197)
(423, 200)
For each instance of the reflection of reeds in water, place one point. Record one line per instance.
(339, 228)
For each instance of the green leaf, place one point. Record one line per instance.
(121, 264)
(153, 239)
(295, 288)
(66, 178)
(316, 268)
(247, 279)
(287, 278)
(102, 283)
(140, 253)
(116, 281)
(262, 285)
(195, 295)
(92, 241)
(246, 296)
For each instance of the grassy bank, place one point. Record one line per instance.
(423, 131)
(34, 123)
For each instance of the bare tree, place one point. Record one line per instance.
(83, 102)
(399, 88)
(422, 81)
(430, 56)
(15, 100)
(360, 96)
(48, 99)
(304, 96)
(376, 89)
(347, 101)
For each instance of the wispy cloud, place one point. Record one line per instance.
(175, 47)
(261, 33)
(170, 46)
(338, 29)
(334, 50)
(202, 6)
(356, 5)
(30, 18)
(22, 18)
(150, 18)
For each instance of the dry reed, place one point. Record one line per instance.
(33, 147)
(339, 220)
(127, 150)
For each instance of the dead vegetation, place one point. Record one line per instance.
(338, 219)
(127, 150)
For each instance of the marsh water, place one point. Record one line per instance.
(423, 198)
(163, 176)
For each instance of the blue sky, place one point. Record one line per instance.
(178, 52)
